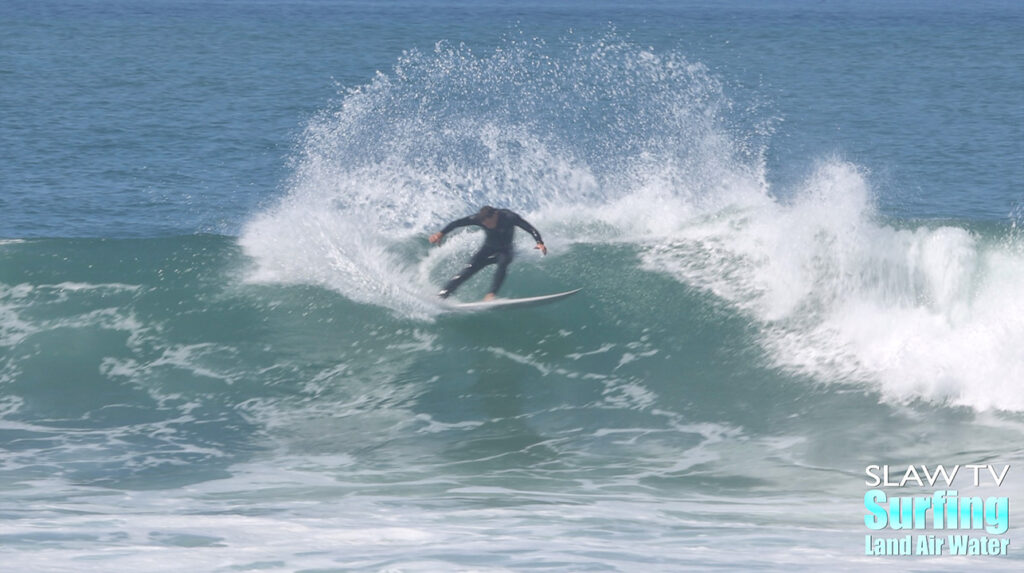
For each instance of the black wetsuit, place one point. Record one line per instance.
(497, 248)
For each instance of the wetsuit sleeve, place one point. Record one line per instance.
(463, 222)
(522, 224)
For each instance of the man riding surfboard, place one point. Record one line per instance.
(499, 226)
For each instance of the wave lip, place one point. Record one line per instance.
(928, 313)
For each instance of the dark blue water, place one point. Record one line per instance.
(797, 227)
(153, 118)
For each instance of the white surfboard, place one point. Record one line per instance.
(502, 303)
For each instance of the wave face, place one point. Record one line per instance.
(608, 143)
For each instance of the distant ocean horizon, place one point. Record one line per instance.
(797, 227)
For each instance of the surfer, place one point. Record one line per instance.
(499, 226)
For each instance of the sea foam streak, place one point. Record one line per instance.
(605, 141)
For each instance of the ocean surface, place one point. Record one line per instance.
(797, 226)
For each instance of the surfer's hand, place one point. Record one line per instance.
(542, 248)
(436, 237)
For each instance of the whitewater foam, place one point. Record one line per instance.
(544, 130)
(921, 313)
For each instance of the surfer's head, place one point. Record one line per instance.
(488, 216)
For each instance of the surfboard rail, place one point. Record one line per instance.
(508, 303)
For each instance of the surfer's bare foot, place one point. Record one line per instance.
(489, 297)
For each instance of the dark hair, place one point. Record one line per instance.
(486, 212)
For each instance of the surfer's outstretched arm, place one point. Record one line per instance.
(524, 225)
(463, 222)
